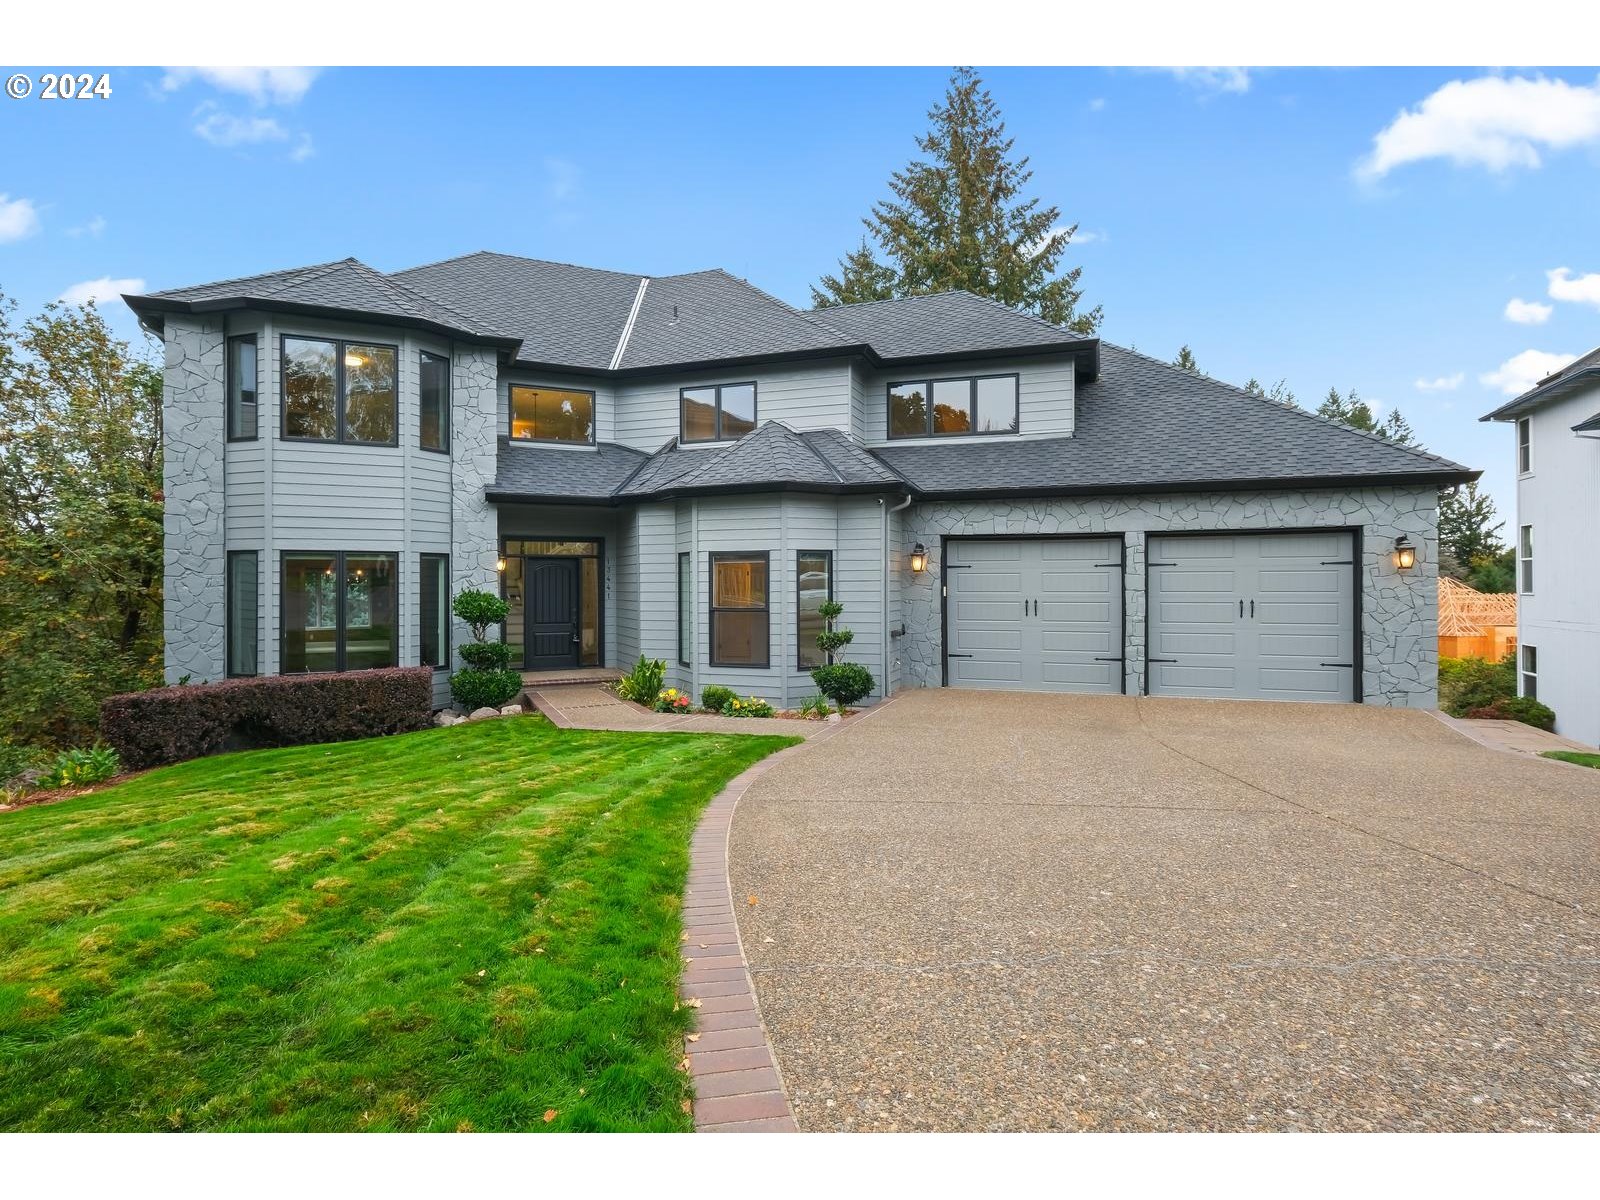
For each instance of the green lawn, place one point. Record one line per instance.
(457, 929)
(1573, 756)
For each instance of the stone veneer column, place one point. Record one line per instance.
(193, 446)
(474, 448)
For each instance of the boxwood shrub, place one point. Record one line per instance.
(171, 724)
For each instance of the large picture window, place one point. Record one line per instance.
(433, 612)
(814, 575)
(244, 605)
(340, 391)
(720, 413)
(982, 404)
(433, 403)
(242, 422)
(740, 617)
(540, 414)
(339, 611)
(685, 608)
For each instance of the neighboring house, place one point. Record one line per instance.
(1557, 424)
(1474, 624)
(685, 467)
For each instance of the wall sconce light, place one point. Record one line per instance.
(500, 565)
(1405, 554)
(919, 559)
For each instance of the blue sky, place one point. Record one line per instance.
(1251, 214)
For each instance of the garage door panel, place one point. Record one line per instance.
(1289, 607)
(1034, 614)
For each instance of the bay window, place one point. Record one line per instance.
(814, 572)
(339, 611)
(433, 403)
(433, 612)
(243, 604)
(242, 423)
(740, 617)
(335, 391)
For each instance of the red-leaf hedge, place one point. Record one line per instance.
(171, 724)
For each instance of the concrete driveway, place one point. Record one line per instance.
(995, 911)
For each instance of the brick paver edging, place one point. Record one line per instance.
(737, 1086)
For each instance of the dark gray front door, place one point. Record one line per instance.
(552, 613)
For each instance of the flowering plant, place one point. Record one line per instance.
(672, 700)
(747, 706)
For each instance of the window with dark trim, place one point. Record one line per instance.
(716, 413)
(243, 424)
(741, 629)
(1530, 672)
(541, 414)
(244, 608)
(336, 391)
(1524, 445)
(685, 608)
(1525, 560)
(813, 587)
(338, 611)
(433, 403)
(977, 404)
(433, 612)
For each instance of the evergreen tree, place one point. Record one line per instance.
(1355, 412)
(1494, 572)
(1469, 535)
(1185, 361)
(1278, 393)
(957, 220)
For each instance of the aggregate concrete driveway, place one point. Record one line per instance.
(993, 911)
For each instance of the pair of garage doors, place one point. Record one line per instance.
(1241, 616)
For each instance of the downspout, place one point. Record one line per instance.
(888, 565)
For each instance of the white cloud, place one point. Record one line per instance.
(93, 227)
(1212, 79)
(224, 129)
(1496, 122)
(1576, 289)
(264, 85)
(303, 149)
(1520, 372)
(1084, 236)
(1444, 383)
(104, 290)
(1098, 104)
(1528, 312)
(561, 179)
(18, 218)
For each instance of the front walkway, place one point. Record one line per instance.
(589, 706)
(1513, 736)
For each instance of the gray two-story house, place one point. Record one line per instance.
(685, 467)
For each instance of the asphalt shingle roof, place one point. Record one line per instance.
(1581, 372)
(1143, 425)
(555, 472)
(946, 323)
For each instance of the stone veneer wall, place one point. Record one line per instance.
(195, 564)
(474, 522)
(1399, 621)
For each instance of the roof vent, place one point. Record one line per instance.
(674, 320)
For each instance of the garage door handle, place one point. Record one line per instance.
(1241, 608)
(958, 656)
(1252, 609)
(1338, 562)
(1117, 659)
(1336, 664)
(1170, 660)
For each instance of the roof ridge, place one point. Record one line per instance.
(815, 453)
(296, 271)
(549, 262)
(627, 326)
(310, 273)
(416, 293)
(1418, 451)
(644, 461)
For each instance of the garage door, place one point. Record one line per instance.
(1034, 614)
(1253, 616)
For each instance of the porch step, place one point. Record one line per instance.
(536, 679)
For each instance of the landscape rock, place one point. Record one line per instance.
(511, 710)
(446, 717)
(483, 714)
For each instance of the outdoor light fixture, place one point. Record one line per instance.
(919, 559)
(500, 565)
(1405, 554)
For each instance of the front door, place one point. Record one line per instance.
(552, 613)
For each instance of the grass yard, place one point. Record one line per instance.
(1573, 756)
(461, 929)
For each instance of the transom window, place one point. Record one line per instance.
(339, 611)
(1524, 446)
(335, 391)
(741, 620)
(719, 413)
(980, 404)
(541, 414)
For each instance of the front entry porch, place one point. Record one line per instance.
(554, 589)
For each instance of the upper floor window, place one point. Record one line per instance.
(433, 403)
(336, 391)
(242, 425)
(718, 413)
(1524, 446)
(930, 407)
(540, 414)
(1525, 560)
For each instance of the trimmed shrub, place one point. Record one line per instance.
(172, 724)
(486, 656)
(1468, 683)
(472, 689)
(843, 683)
(716, 697)
(480, 610)
(1517, 708)
(643, 684)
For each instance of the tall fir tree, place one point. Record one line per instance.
(1279, 392)
(958, 220)
(1355, 412)
(1185, 361)
(1468, 530)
